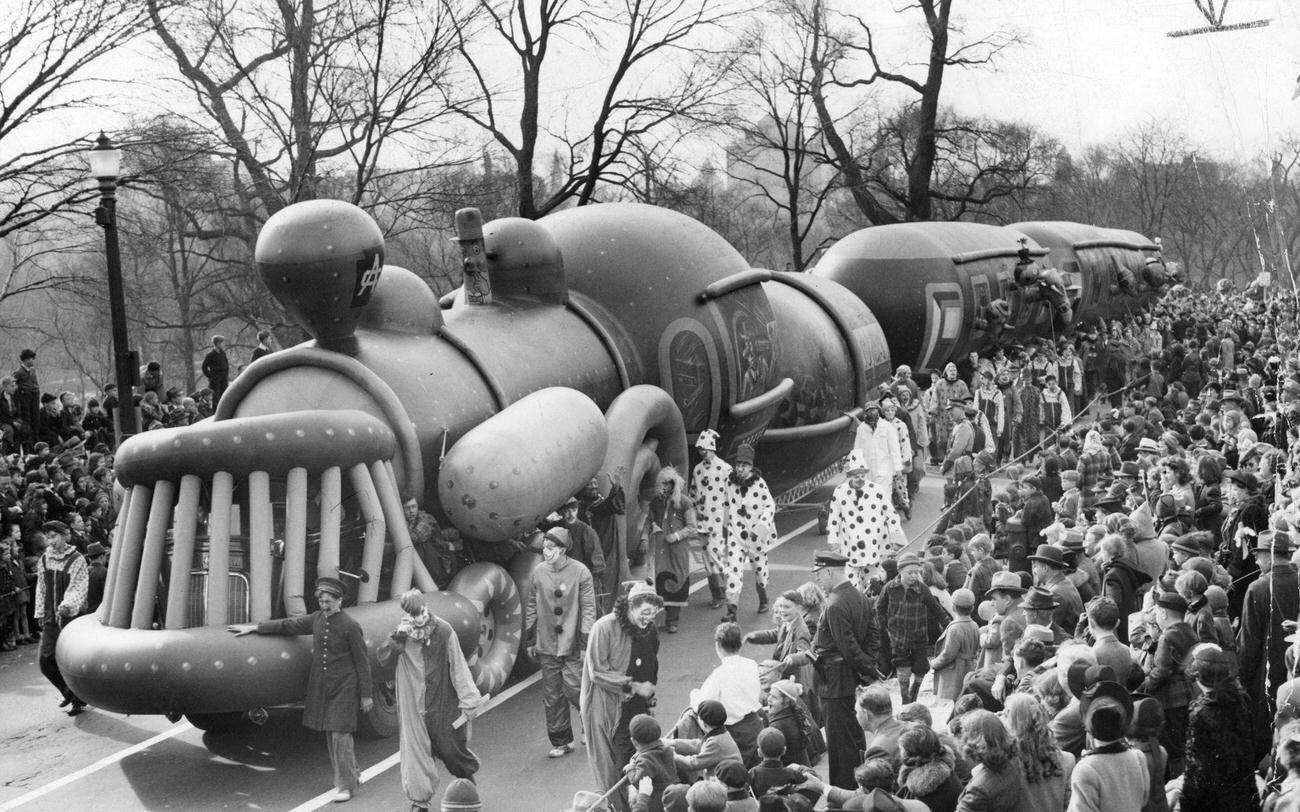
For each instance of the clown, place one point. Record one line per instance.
(751, 528)
(708, 492)
(862, 521)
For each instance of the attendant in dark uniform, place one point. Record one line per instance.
(339, 682)
(845, 647)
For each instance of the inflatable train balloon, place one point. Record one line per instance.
(595, 340)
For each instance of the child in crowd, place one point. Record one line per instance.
(958, 647)
(1067, 507)
(652, 759)
(772, 773)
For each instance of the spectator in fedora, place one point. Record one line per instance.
(1048, 567)
(1008, 623)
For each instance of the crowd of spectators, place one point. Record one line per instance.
(56, 465)
(1109, 602)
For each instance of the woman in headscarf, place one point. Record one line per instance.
(619, 674)
(434, 687)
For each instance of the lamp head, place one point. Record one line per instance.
(105, 159)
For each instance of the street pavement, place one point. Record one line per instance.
(103, 761)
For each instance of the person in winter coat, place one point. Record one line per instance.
(1111, 776)
(1220, 773)
(1261, 647)
(671, 521)
(958, 648)
(1168, 643)
(949, 387)
(751, 529)
(653, 760)
(928, 771)
(700, 757)
(339, 686)
(912, 619)
(997, 783)
(434, 687)
(786, 715)
(791, 637)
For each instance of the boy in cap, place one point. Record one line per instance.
(913, 620)
(653, 760)
(339, 681)
(751, 529)
(709, 493)
(700, 757)
(62, 583)
(1110, 776)
(862, 521)
(958, 648)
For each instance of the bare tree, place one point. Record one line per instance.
(779, 155)
(658, 74)
(47, 50)
(898, 184)
(304, 91)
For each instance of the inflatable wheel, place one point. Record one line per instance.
(218, 722)
(646, 432)
(381, 722)
(501, 621)
(521, 570)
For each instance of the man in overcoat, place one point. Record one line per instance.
(340, 679)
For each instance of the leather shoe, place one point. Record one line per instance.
(67, 700)
(77, 708)
(672, 628)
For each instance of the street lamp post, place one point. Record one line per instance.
(105, 162)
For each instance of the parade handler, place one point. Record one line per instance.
(339, 682)
(434, 687)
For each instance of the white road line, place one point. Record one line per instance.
(325, 798)
(175, 730)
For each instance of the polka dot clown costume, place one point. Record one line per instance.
(751, 528)
(708, 490)
(862, 521)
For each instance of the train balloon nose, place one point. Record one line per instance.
(322, 260)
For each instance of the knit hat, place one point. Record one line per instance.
(461, 796)
(771, 742)
(644, 729)
(712, 713)
(1216, 597)
(788, 688)
(559, 536)
(963, 599)
(641, 591)
(745, 454)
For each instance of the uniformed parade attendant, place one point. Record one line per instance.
(339, 681)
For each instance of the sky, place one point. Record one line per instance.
(1088, 70)
(1092, 69)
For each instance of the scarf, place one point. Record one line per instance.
(417, 627)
